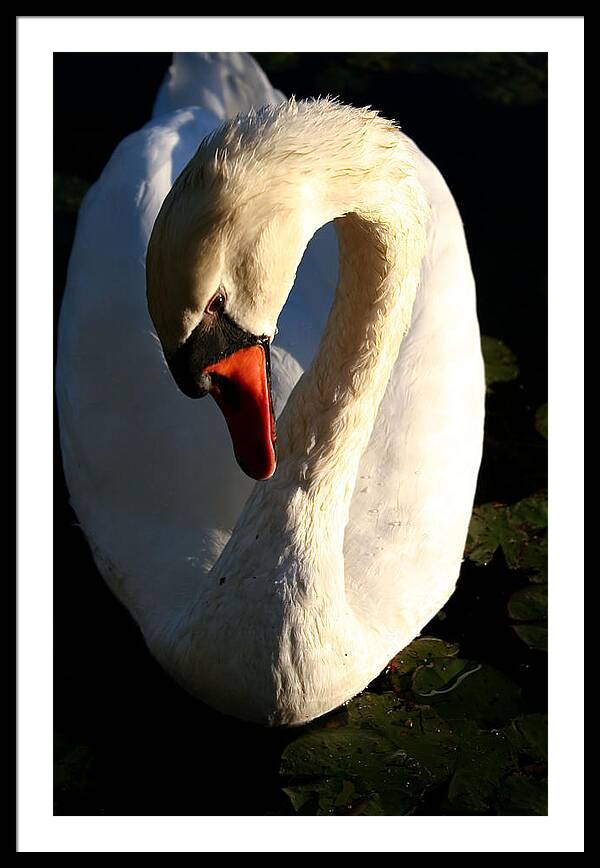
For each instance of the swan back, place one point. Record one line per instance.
(224, 83)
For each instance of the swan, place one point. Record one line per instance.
(279, 544)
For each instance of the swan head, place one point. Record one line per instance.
(221, 261)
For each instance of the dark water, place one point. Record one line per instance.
(129, 741)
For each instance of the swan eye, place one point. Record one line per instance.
(217, 303)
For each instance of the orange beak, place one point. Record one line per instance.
(240, 384)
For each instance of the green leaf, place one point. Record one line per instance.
(531, 513)
(440, 676)
(419, 652)
(502, 771)
(418, 730)
(328, 794)
(300, 795)
(524, 792)
(500, 362)
(384, 760)
(533, 556)
(541, 421)
(522, 795)
(534, 635)
(484, 758)
(464, 690)
(519, 530)
(529, 603)
(529, 736)
(489, 528)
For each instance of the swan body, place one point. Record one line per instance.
(276, 600)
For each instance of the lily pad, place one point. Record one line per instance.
(529, 736)
(534, 635)
(533, 557)
(500, 362)
(420, 652)
(437, 678)
(502, 771)
(484, 759)
(470, 745)
(489, 529)
(523, 795)
(384, 760)
(532, 512)
(519, 530)
(464, 690)
(418, 730)
(530, 604)
(329, 793)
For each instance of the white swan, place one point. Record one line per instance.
(273, 601)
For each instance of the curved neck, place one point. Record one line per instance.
(329, 418)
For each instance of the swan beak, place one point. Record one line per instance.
(241, 386)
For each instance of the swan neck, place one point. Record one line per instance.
(329, 418)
